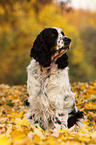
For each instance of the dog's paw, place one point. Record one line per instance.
(76, 119)
(59, 124)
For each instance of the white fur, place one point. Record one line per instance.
(48, 96)
(60, 42)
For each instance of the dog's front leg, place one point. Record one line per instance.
(61, 120)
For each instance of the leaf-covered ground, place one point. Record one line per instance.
(14, 127)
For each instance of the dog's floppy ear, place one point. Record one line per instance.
(62, 61)
(40, 51)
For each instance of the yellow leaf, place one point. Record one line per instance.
(15, 114)
(84, 87)
(4, 140)
(18, 135)
(11, 121)
(50, 141)
(39, 133)
(18, 123)
(90, 106)
(25, 121)
(37, 138)
(21, 122)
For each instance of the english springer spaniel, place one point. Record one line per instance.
(51, 100)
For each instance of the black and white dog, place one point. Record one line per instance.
(52, 102)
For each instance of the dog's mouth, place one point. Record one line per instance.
(58, 53)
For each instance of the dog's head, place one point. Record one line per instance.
(50, 45)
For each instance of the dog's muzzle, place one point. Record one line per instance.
(67, 42)
(58, 53)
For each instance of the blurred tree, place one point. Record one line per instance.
(16, 35)
(88, 37)
(63, 4)
(83, 56)
(20, 23)
(39, 4)
(82, 65)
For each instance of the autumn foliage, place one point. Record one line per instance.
(20, 23)
(14, 126)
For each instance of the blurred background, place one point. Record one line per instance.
(22, 20)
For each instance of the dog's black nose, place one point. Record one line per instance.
(67, 40)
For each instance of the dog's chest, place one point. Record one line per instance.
(48, 85)
(55, 85)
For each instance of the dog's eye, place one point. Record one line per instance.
(53, 35)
